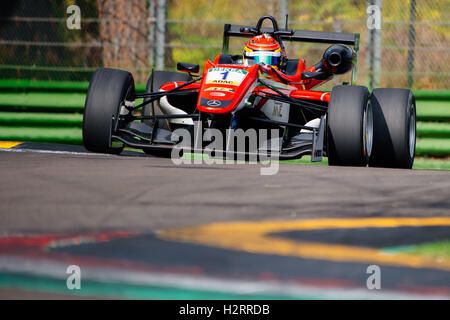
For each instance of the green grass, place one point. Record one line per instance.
(420, 163)
(25, 85)
(41, 119)
(65, 102)
(41, 85)
(42, 134)
(438, 249)
(307, 160)
(433, 129)
(424, 94)
(433, 110)
(433, 146)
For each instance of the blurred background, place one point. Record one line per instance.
(413, 49)
(48, 57)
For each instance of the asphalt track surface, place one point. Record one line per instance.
(140, 211)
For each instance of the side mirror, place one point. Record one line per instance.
(188, 67)
(315, 75)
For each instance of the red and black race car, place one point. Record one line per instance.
(260, 90)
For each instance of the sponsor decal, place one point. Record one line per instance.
(217, 94)
(229, 76)
(223, 82)
(277, 107)
(221, 69)
(214, 103)
(219, 89)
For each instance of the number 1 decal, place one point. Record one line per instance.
(225, 75)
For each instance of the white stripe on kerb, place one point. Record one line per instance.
(57, 270)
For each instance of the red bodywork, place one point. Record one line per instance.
(232, 94)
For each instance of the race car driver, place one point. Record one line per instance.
(263, 49)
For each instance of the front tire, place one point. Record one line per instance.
(349, 126)
(394, 112)
(107, 89)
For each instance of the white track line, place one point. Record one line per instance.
(57, 270)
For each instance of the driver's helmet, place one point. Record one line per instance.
(262, 48)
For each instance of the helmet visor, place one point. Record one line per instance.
(268, 57)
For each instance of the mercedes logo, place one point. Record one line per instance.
(214, 103)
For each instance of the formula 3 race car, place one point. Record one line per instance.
(259, 90)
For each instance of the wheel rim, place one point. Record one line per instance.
(368, 130)
(412, 132)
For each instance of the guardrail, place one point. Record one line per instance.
(47, 111)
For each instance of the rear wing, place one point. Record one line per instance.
(351, 39)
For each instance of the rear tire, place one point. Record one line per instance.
(107, 89)
(349, 126)
(155, 81)
(394, 142)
